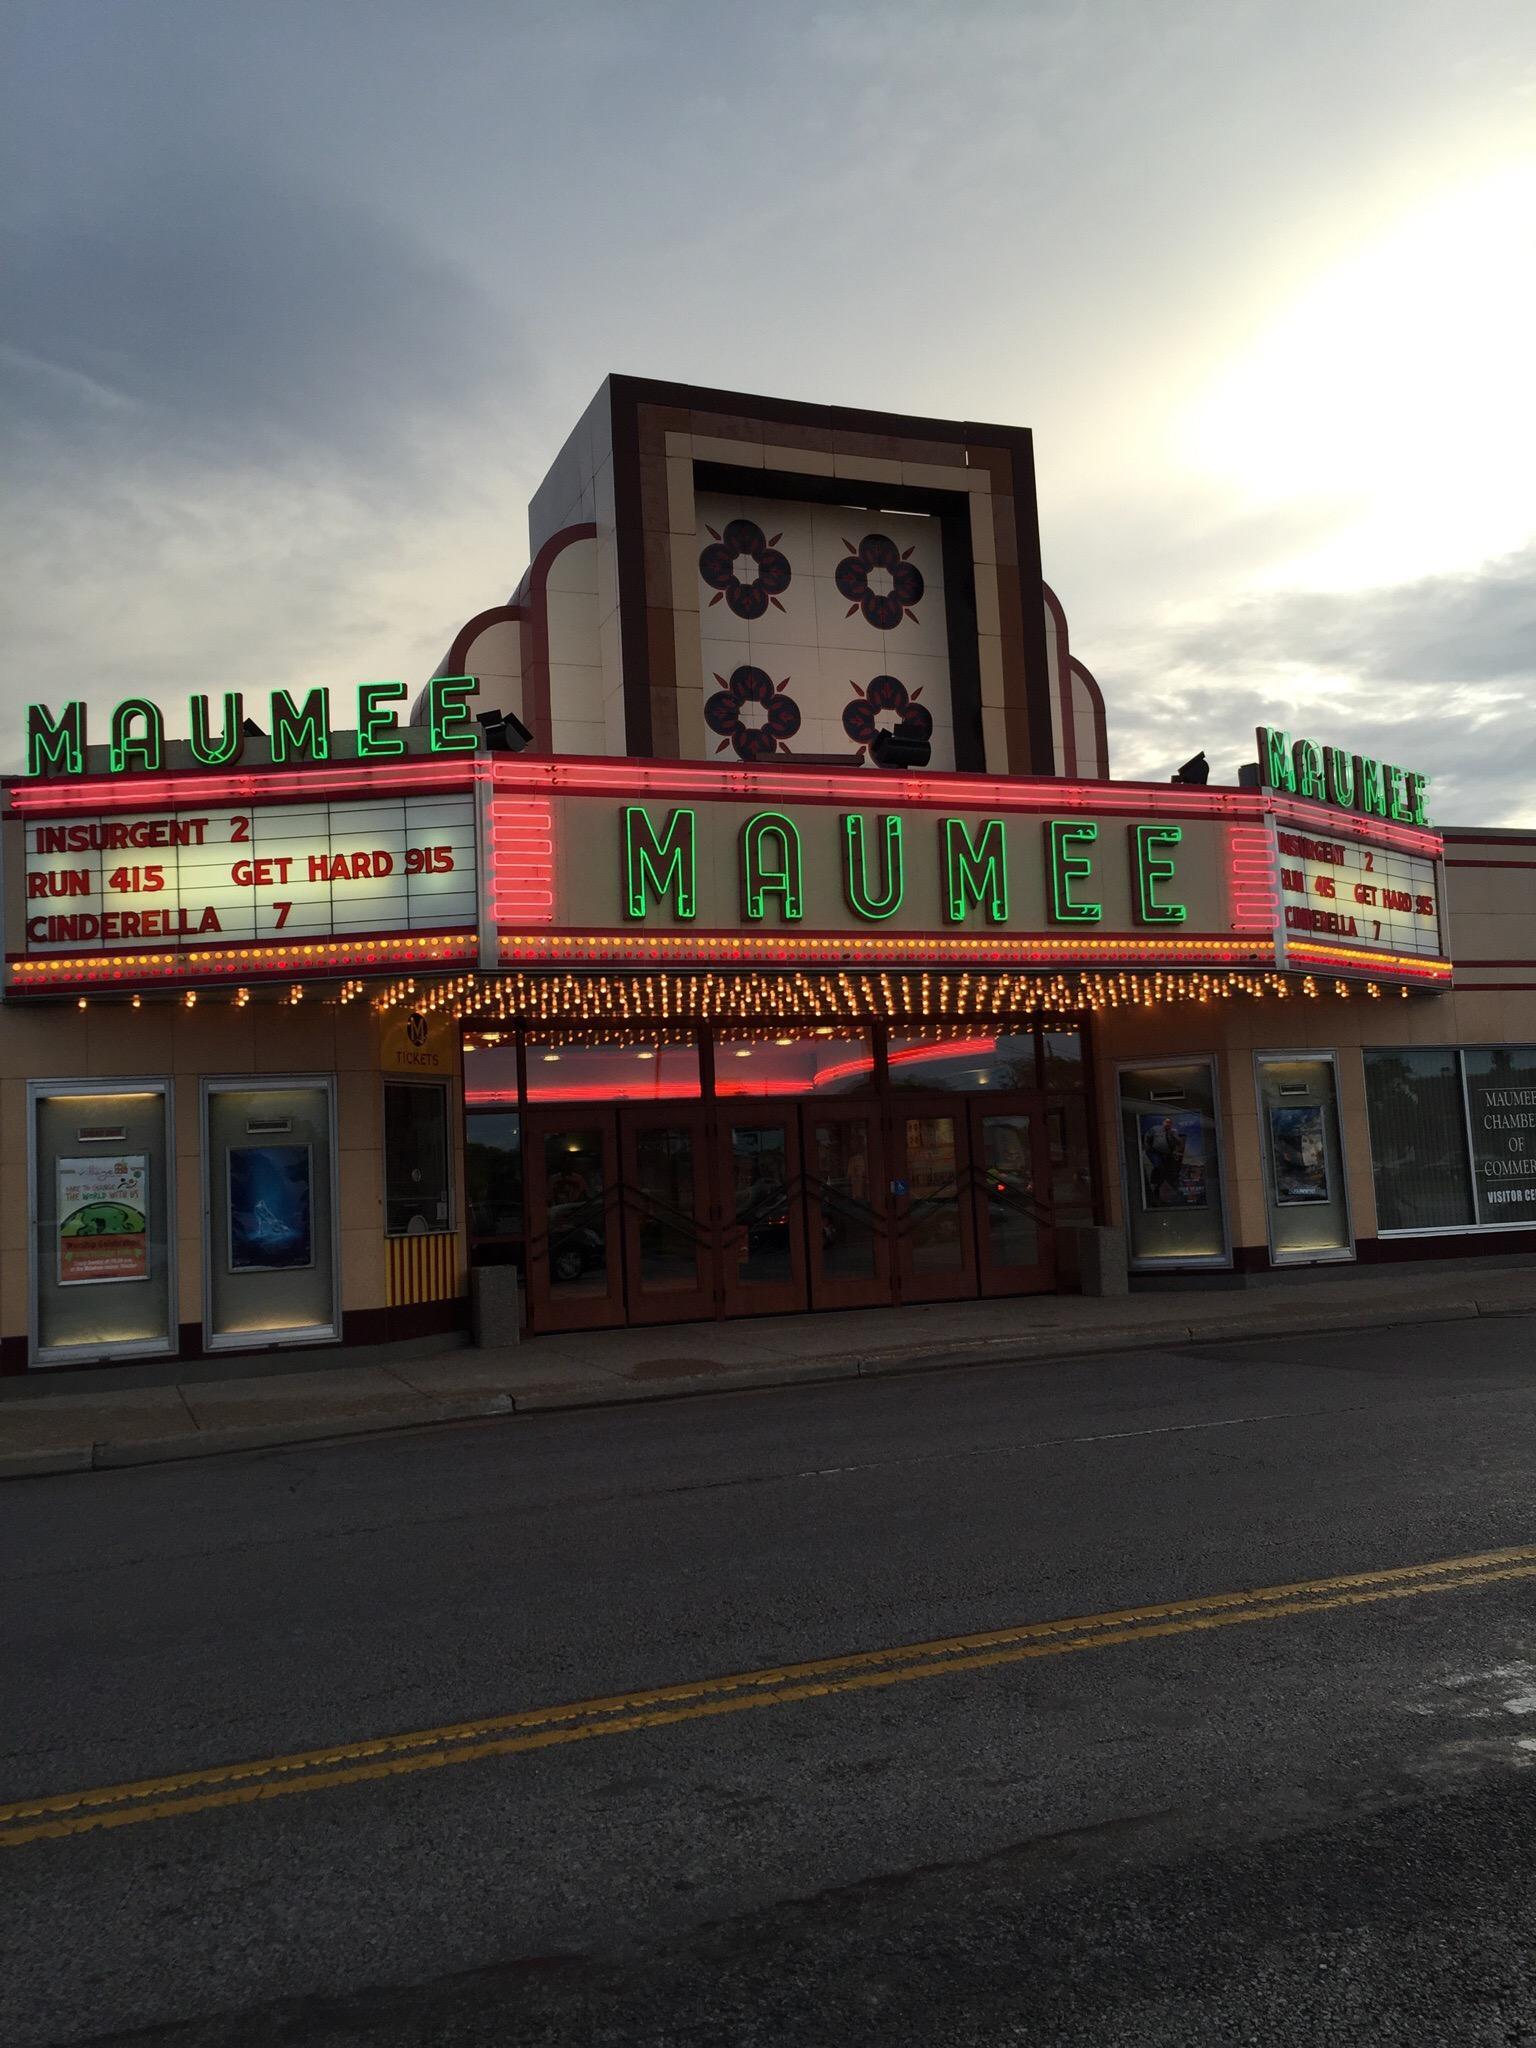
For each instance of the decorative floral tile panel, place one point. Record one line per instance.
(820, 626)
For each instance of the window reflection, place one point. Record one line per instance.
(493, 1177)
(819, 1062)
(933, 1059)
(633, 1070)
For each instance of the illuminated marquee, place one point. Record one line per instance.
(1337, 888)
(359, 866)
(1351, 889)
(200, 877)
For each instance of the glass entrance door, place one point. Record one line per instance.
(847, 1205)
(575, 1274)
(935, 1238)
(669, 1248)
(763, 1202)
(1010, 1176)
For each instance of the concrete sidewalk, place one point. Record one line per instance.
(53, 1425)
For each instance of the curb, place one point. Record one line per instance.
(1040, 1349)
(29, 1464)
(260, 1436)
(536, 1400)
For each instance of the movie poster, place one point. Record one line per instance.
(1298, 1154)
(269, 1208)
(1173, 1161)
(103, 1211)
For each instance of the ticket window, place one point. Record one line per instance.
(269, 1152)
(1304, 1189)
(103, 1221)
(1175, 1209)
(418, 1195)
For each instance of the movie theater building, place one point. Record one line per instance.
(743, 920)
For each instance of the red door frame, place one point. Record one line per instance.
(831, 1290)
(995, 1279)
(680, 1304)
(960, 1283)
(752, 1297)
(548, 1310)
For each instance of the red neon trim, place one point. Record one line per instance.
(521, 873)
(600, 775)
(596, 775)
(180, 789)
(1252, 889)
(1318, 818)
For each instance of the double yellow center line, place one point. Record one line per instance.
(468, 1742)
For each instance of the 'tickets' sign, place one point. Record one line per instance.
(419, 1043)
(177, 878)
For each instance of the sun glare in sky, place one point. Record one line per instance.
(1397, 391)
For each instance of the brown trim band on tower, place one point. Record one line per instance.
(1006, 452)
(452, 663)
(535, 617)
(625, 395)
(1064, 687)
(1100, 724)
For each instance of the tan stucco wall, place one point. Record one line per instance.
(1232, 1031)
(215, 1039)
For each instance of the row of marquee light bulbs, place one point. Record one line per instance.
(707, 996)
(700, 997)
(238, 997)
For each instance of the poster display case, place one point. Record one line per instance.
(1306, 1195)
(102, 1265)
(1175, 1208)
(270, 1244)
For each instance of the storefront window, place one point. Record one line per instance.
(826, 1061)
(633, 1070)
(1418, 1139)
(270, 1251)
(493, 1179)
(1304, 1188)
(415, 1157)
(490, 1070)
(1071, 1155)
(981, 1059)
(1062, 1058)
(1173, 1195)
(103, 1277)
(1501, 1109)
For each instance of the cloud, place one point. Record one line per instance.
(218, 305)
(1472, 628)
(255, 439)
(1438, 674)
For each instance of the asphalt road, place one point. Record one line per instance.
(1303, 1818)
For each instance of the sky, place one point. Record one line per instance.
(298, 301)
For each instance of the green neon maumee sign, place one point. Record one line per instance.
(299, 728)
(660, 867)
(1350, 782)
